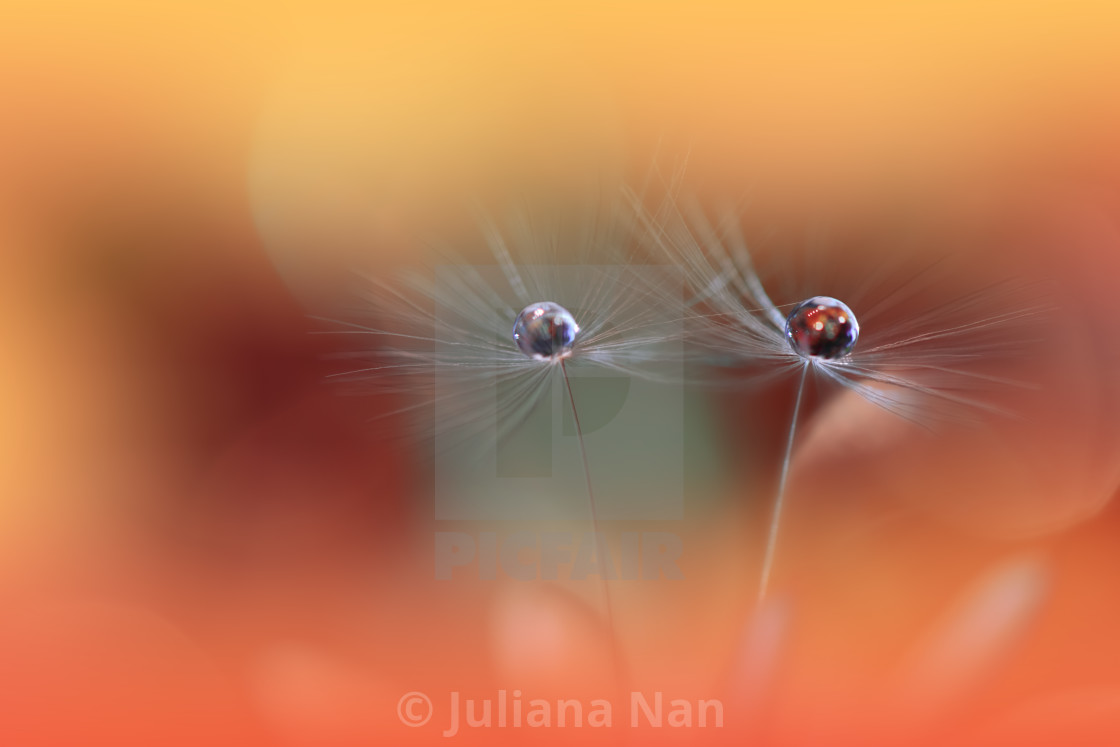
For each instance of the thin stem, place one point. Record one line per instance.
(582, 447)
(779, 500)
(615, 653)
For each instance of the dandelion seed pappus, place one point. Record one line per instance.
(913, 351)
(526, 424)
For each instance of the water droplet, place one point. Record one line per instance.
(545, 331)
(822, 327)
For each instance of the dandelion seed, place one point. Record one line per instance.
(446, 344)
(921, 366)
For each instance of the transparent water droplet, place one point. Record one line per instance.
(545, 331)
(822, 327)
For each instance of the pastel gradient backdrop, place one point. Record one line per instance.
(204, 543)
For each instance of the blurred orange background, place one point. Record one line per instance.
(203, 542)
